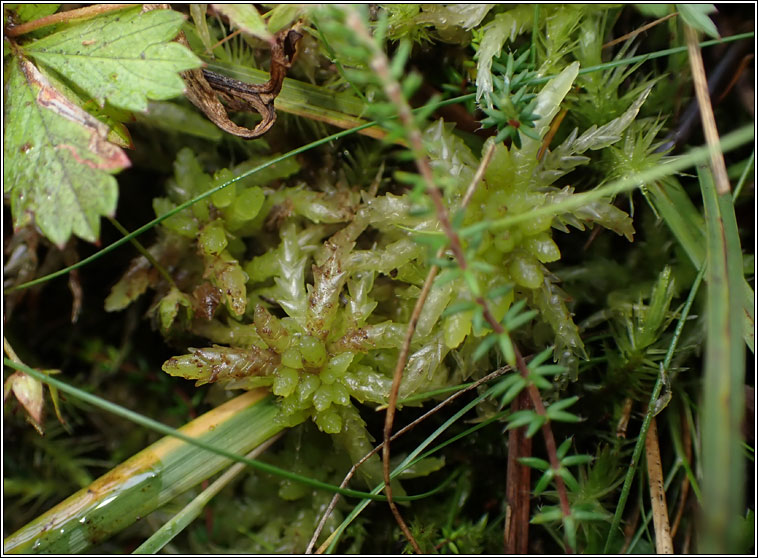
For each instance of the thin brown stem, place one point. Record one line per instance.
(706, 111)
(639, 30)
(225, 39)
(663, 543)
(380, 65)
(145, 253)
(61, 17)
(547, 434)
(404, 430)
(685, 489)
(518, 483)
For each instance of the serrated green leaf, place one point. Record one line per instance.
(282, 16)
(504, 26)
(696, 15)
(595, 138)
(247, 18)
(124, 57)
(57, 159)
(29, 12)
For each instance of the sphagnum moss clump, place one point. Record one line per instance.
(304, 282)
(312, 358)
(303, 317)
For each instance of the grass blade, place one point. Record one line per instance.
(149, 479)
(674, 206)
(723, 404)
(343, 110)
(191, 511)
(616, 522)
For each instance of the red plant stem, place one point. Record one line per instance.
(547, 433)
(60, 17)
(379, 64)
(518, 483)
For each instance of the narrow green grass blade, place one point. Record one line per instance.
(681, 216)
(191, 511)
(407, 462)
(149, 479)
(345, 110)
(614, 531)
(191, 439)
(723, 404)
(686, 223)
(696, 156)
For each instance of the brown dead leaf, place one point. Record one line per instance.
(28, 392)
(205, 87)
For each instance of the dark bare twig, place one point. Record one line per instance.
(518, 483)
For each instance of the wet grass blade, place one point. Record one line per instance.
(723, 403)
(191, 511)
(343, 110)
(149, 479)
